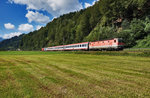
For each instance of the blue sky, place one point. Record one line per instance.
(23, 16)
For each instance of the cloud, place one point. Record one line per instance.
(9, 26)
(25, 27)
(54, 7)
(37, 17)
(38, 27)
(10, 35)
(86, 5)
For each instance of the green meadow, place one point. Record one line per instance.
(74, 74)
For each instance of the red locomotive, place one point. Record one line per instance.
(112, 44)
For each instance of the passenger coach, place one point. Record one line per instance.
(77, 46)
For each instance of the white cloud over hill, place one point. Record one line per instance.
(54, 7)
(9, 26)
(86, 5)
(38, 27)
(25, 27)
(10, 35)
(37, 17)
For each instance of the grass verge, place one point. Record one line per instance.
(73, 74)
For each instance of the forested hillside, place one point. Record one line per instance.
(11, 44)
(1, 39)
(128, 19)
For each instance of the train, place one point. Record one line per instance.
(110, 44)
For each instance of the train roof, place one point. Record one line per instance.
(77, 43)
(107, 39)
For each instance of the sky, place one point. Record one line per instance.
(23, 16)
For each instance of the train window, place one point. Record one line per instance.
(114, 41)
(108, 41)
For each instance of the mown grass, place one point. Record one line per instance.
(72, 74)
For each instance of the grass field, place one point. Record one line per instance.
(64, 74)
